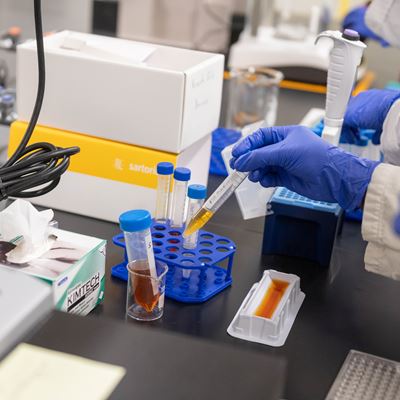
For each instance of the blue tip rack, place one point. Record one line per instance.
(210, 263)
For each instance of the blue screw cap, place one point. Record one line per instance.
(165, 168)
(135, 220)
(197, 192)
(182, 174)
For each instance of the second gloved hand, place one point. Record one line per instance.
(367, 110)
(355, 20)
(296, 158)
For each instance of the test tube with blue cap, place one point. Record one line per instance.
(181, 179)
(196, 195)
(164, 173)
(143, 292)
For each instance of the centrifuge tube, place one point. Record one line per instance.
(181, 178)
(139, 246)
(164, 172)
(215, 201)
(196, 195)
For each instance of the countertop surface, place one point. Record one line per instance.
(345, 306)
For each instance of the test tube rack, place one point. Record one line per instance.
(208, 266)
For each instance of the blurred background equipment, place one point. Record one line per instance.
(197, 24)
(279, 36)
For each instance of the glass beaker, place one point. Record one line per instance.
(253, 96)
(145, 294)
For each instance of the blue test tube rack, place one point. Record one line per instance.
(210, 263)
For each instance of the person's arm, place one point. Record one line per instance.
(378, 226)
(390, 139)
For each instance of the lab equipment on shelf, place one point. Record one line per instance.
(164, 172)
(268, 312)
(210, 263)
(196, 195)
(181, 179)
(7, 108)
(215, 201)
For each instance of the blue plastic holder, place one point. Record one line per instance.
(286, 196)
(221, 138)
(301, 227)
(210, 263)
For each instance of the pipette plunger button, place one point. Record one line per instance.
(351, 34)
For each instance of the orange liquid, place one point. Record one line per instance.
(143, 290)
(271, 299)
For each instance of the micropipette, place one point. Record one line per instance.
(215, 201)
(344, 59)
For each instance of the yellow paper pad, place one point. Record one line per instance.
(30, 372)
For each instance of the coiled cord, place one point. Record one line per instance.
(36, 169)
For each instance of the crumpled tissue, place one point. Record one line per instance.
(22, 218)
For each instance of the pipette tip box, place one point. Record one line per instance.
(301, 227)
(194, 275)
(272, 331)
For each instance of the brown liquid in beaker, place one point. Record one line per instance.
(145, 290)
(271, 299)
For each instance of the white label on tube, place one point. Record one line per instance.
(150, 256)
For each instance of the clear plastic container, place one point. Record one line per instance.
(145, 294)
(164, 173)
(178, 207)
(196, 195)
(253, 96)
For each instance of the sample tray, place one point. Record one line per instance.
(272, 331)
(364, 376)
(194, 275)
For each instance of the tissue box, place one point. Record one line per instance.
(148, 95)
(74, 268)
(107, 178)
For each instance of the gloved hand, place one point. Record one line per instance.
(397, 224)
(296, 158)
(367, 110)
(355, 20)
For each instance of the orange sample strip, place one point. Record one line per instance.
(271, 299)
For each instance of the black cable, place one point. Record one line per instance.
(36, 169)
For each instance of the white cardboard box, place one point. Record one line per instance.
(148, 95)
(107, 178)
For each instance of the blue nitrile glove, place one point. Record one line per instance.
(367, 110)
(355, 20)
(296, 158)
(397, 224)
